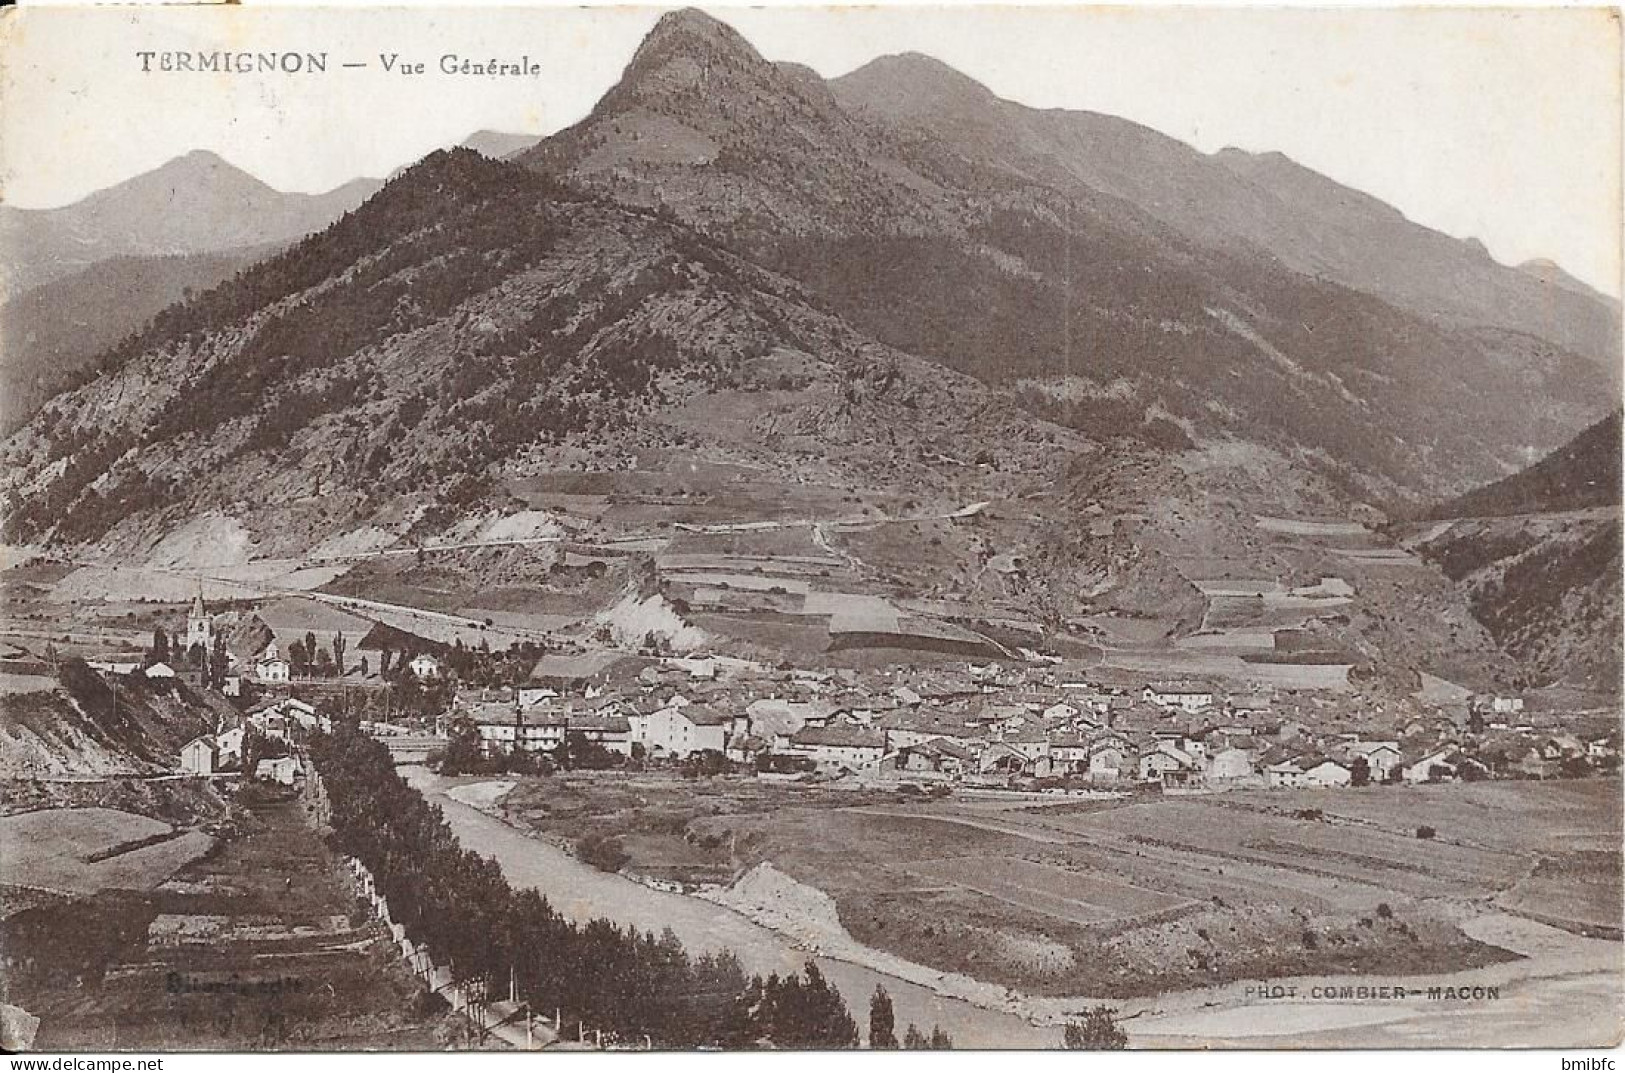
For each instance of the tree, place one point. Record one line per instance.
(324, 663)
(339, 645)
(298, 656)
(1098, 1031)
(219, 662)
(882, 1022)
(940, 1040)
(159, 652)
(913, 1040)
(462, 753)
(197, 656)
(1360, 772)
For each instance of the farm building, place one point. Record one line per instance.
(1324, 771)
(503, 729)
(160, 670)
(1110, 758)
(1069, 755)
(1000, 759)
(1169, 765)
(198, 756)
(837, 748)
(607, 728)
(937, 755)
(682, 730)
(229, 744)
(1381, 757)
(425, 666)
(1230, 765)
(577, 673)
(1430, 765)
(1180, 694)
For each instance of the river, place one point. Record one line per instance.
(580, 892)
(1566, 992)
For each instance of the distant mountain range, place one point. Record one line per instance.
(1252, 204)
(197, 203)
(891, 281)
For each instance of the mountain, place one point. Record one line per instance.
(49, 332)
(498, 144)
(725, 296)
(703, 128)
(1550, 274)
(1237, 200)
(197, 203)
(1538, 555)
(469, 318)
(1024, 249)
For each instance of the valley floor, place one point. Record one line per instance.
(998, 878)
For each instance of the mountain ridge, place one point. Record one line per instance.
(225, 208)
(1236, 197)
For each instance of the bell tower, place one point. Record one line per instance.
(199, 627)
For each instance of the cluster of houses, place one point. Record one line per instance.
(284, 720)
(991, 725)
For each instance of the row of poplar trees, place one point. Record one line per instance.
(636, 988)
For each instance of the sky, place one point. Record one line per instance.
(1502, 125)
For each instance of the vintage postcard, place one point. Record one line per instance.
(640, 528)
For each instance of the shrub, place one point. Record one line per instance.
(604, 853)
(1425, 831)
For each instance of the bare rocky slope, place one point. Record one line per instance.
(88, 725)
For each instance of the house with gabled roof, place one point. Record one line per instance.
(935, 755)
(683, 730)
(839, 748)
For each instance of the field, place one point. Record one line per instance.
(1124, 897)
(268, 908)
(82, 851)
(1066, 894)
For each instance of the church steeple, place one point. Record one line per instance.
(199, 628)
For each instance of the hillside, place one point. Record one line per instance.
(1538, 555)
(1583, 473)
(933, 243)
(48, 332)
(197, 203)
(91, 725)
(424, 347)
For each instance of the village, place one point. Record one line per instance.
(1034, 726)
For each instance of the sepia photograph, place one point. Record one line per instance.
(808, 528)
